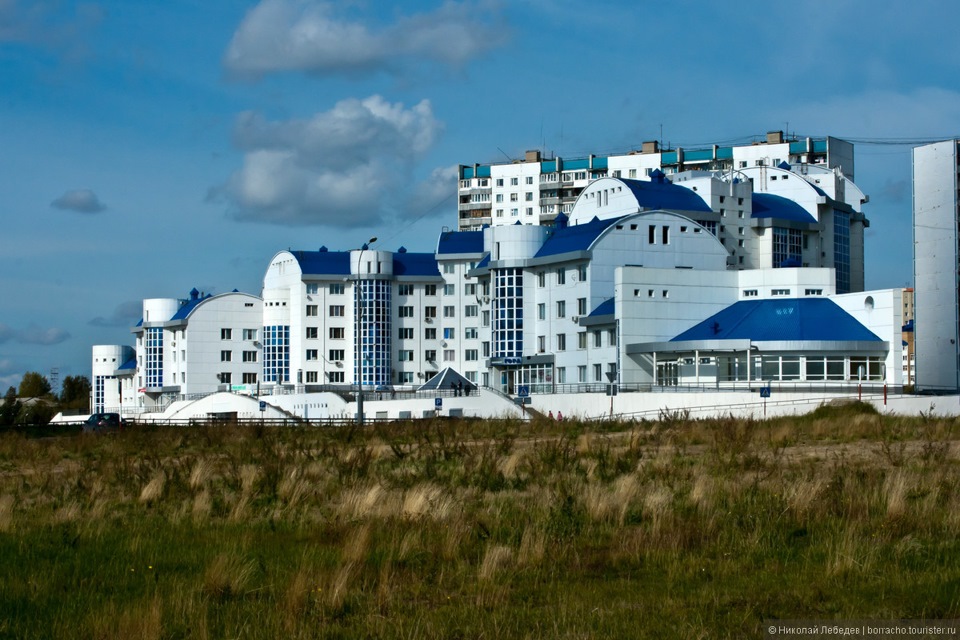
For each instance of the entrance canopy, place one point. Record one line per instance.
(447, 378)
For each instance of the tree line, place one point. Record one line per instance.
(34, 402)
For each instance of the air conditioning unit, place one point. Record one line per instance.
(339, 364)
(428, 320)
(575, 318)
(443, 343)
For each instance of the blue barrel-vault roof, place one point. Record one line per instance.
(578, 237)
(337, 263)
(659, 193)
(779, 320)
(457, 242)
(768, 205)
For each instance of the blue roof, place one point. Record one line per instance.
(484, 262)
(129, 364)
(780, 320)
(605, 308)
(415, 264)
(335, 263)
(188, 306)
(657, 194)
(574, 238)
(460, 242)
(767, 205)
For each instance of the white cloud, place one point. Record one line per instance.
(299, 35)
(125, 314)
(344, 167)
(437, 195)
(79, 200)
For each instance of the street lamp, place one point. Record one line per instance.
(358, 356)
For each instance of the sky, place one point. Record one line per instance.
(150, 147)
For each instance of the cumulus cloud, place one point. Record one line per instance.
(125, 314)
(314, 37)
(436, 195)
(33, 335)
(79, 200)
(45, 24)
(335, 168)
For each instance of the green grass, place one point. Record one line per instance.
(468, 529)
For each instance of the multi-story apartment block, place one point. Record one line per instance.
(805, 185)
(936, 260)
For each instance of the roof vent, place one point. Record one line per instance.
(784, 166)
(657, 176)
(402, 250)
(323, 249)
(561, 220)
(194, 293)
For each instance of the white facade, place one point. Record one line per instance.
(935, 264)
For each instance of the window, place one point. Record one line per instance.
(470, 355)
(336, 376)
(499, 197)
(405, 290)
(226, 356)
(312, 354)
(612, 337)
(561, 308)
(541, 344)
(529, 180)
(429, 312)
(430, 333)
(249, 334)
(582, 340)
(449, 311)
(249, 378)
(499, 182)
(750, 293)
(780, 292)
(561, 276)
(542, 311)
(652, 234)
(666, 234)
(312, 288)
(405, 311)
(513, 197)
(485, 349)
(581, 306)
(541, 279)
(448, 267)
(471, 311)
(406, 333)
(449, 289)
(336, 311)
(485, 318)
(406, 355)
(336, 288)
(336, 355)
(514, 182)
(449, 355)
(470, 289)
(449, 333)
(813, 292)
(225, 377)
(561, 342)
(597, 339)
(582, 373)
(226, 334)
(561, 375)
(429, 289)
(311, 310)
(336, 333)
(249, 356)
(582, 272)
(528, 197)
(470, 333)
(430, 355)
(406, 377)
(311, 376)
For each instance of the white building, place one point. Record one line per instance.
(935, 264)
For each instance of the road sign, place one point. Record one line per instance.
(263, 405)
(764, 392)
(438, 402)
(523, 391)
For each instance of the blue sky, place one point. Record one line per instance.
(150, 147)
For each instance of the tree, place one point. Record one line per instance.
(34, 385)
(10, 408)
(75, 393)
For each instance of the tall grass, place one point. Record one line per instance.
(675, 528)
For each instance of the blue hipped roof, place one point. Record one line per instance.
(780, 320)
(576, 238)
(335, 263)
(663, 194)
(460, 242)
(415, 264)
(767, 205)
(605, 308)
(129, 364)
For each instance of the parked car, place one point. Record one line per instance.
(101, 422)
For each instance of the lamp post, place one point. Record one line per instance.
(357, 330)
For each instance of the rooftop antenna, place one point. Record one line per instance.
(661, 135)
(505, 154)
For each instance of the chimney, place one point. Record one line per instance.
(774, 137)
(650, 146)
(533, 155)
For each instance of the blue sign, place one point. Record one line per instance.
(438, 402)
(263, 405)
(523, 391)
(764, 392)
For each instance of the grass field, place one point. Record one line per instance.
(480, 529)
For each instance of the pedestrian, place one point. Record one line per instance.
(460, 388)
(560, 416)
(550, 414)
